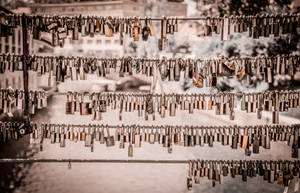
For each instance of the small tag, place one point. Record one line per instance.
(62, 35)
(51, 26)
(88, 140)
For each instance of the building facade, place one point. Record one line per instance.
(99, 45)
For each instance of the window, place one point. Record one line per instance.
(107, 41)
(100, 8)
(19, 37)
(90, 52)
(13, 38)
(13, 49)
(6, 83)
(117, 7)
(6, 49)
(14, 82)
(6, 39)
(19, 82)
(90, 41)
(117, 41)
(108, 53)
(99, 41)
(92, 8)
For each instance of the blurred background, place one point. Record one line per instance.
(187, 43)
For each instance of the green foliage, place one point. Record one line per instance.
(248, 7)
(285, 44)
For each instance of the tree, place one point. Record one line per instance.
(240, 44)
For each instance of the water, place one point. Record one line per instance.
(115, 178)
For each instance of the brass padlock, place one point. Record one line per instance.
(109, 140)
(70, 105)
(198, 79)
